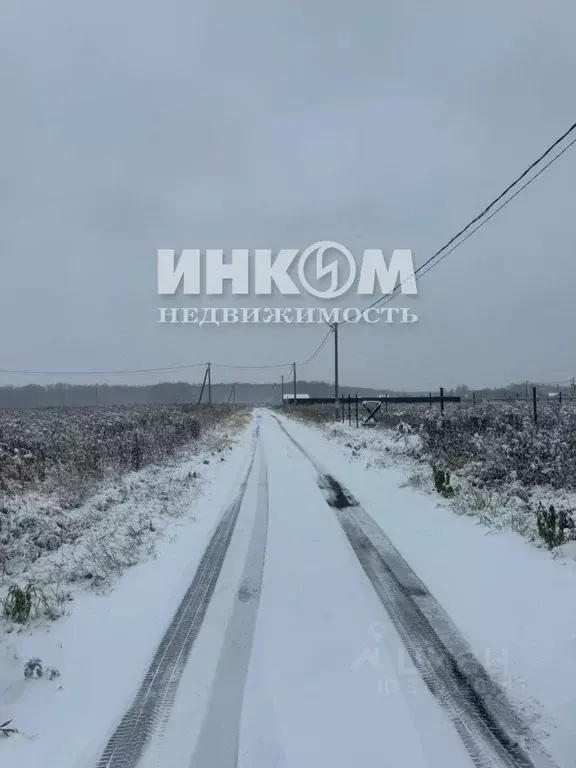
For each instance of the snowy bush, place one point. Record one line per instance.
(489, 458)
(74, 448)
(555, 527)
(34, 668)
(53, 460)
(500, 445)
(19, 603)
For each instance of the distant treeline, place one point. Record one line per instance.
(514, 391)
(76, 395)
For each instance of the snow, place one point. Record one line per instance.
(106, 642)
(511, 600)
(314, 671)
(316, 613)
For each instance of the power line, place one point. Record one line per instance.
(481, 219)
(103, 373)
(500, 207)
(434, 260)
(510, 187)
(250, 367)
(318, 349)
(171, 368)
(276, 365)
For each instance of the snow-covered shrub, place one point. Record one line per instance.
(34, 668)
(496, 445)
(555, 527)
(19, 603)
(24, 604)
(61, 445)
(52, 460)
(402, 432)
(442, 482)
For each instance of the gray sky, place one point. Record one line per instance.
(128, 127)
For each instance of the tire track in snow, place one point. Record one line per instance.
(153, 702)
(218, 742)
(488, 725)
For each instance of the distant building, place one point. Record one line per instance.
(290, 398)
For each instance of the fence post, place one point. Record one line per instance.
(473, 398)
(349, 410)
(442, 400)
(535, 403)
(430, 396)
(357, 422)
(386, 402)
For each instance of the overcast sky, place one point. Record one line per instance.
(128, 127)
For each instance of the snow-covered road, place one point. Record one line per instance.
(284, 629)
(264, 671)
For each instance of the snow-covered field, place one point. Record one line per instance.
(489, 462)
(297, 660)
(149, 523)
(511, 600)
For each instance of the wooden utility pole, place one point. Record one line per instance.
(282, 388)
(209, 384)
(203, 384)
(295, 386)
(336, 373)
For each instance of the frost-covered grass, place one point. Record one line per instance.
(489, 460)
(48, 547)
(67, 452)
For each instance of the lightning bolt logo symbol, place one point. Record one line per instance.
(331, 270)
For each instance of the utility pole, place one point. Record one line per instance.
(336, 371)
(295, 387)
(234, 393)
(210, 383)
(282, 388)
(203, 384)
